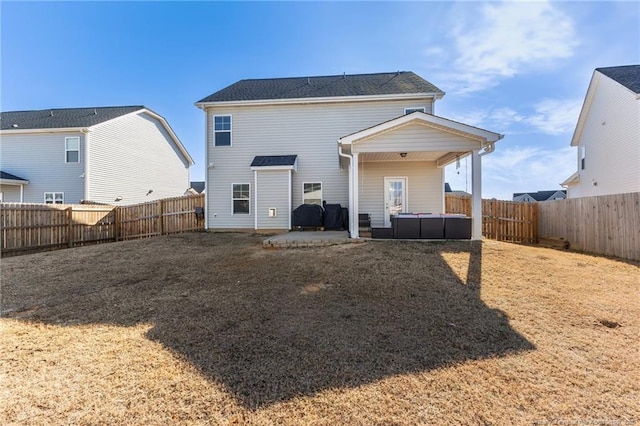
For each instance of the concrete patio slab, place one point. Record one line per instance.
(308, 239)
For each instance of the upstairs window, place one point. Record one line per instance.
(582, 157)
(222, 130)
(54, 197)
(240, 198)
(72, 149)
(312, 193)
(414, 109)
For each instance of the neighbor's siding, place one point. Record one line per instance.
(309, 131)
(40, 158)
(130, 156)
(413, 137)
(273, 191)
(611, 135)
(424, 187)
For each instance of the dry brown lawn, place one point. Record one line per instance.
(213, 329)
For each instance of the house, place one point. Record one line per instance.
(198, 186)
(457, 193)
(532, 197)
(112, 155)
(370, 142)
(607, 135)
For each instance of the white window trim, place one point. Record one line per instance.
(54, 197)
(71, 150)
(321, 190)
(233, 199)
(423, 108)
(218, 131)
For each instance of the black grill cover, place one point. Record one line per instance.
(332, 218)
(307, 215)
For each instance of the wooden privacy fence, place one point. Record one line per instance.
(606, 224)
(28, 228)
(501, 220)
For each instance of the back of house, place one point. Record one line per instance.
(367, 141)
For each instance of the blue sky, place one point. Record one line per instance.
(517, 68)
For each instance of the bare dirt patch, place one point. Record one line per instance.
(212, 329)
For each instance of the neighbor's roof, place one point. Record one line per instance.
(198, 186)
(5, 175)
(540, 195)
(62, 117)
(273, 160)
(391, 83)
(627, 75)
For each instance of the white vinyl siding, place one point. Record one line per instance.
(273, 193)
(309, 131)
(424, 187)
(10, 193)
(413, 137)
(40, 158)
(609, 142)
(130, 156)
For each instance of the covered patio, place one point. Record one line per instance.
(12, 188)
(398, 167)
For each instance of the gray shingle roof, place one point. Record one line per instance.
(273, 160)
(540, 195)
(198, 186)
(627, 75)
(401, 82)
(62, 117)
(5, 175)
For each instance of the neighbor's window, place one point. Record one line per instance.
(222, 130)
(312, 193)
(72, 149)
(582, 157)
(240, 198)
(410, 110)
(54, 197)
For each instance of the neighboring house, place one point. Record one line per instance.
(532, 197)
(608, 135)
(198, 186)
(370, 142)
(448, 190)
(113, 155)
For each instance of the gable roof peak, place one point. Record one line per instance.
(626, 75)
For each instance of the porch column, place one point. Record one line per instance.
(355, 233)
(476, 196)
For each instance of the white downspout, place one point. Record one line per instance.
(290, 198)
(351, 217)
(356, 195)
(85, 158)
(255, 191)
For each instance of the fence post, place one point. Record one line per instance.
(116, 223)
(69, 212)
(161, 217)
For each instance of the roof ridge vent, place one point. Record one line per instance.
(95, 111)
(51, 113)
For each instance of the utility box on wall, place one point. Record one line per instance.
(273, 212)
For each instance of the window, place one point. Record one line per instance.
(72, 150)
(582, 157)
(222, 130)
(410, 110)
(54, 197)
(240, 198)
(312, 193)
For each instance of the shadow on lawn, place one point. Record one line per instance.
(273, 325)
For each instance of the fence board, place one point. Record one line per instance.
(606, 224)
(501, 220)
(36, 227)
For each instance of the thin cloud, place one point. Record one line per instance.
(555, 116)
(506, 39)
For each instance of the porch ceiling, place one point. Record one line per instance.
(409, 156)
